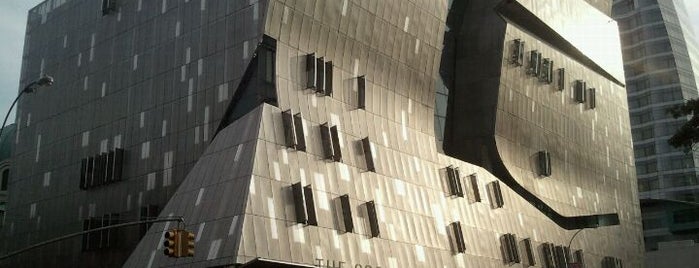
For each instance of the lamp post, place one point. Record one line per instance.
(45, 81)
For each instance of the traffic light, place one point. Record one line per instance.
(188, 245)
(172, 243)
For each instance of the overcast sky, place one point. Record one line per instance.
(13, 19)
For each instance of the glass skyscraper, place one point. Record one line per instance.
(662, 70)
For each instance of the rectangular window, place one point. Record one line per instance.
(148, 213)
(475, 191)
(293, 130)
(298, 193)
(118, 164)
(304, 204)
(368, 154)
(529, 252)
(311, 73)
(331, 142)
(328, 78)
(310, 205)
(108, 6)
(109, 168)
(534, 63)
(83, 174)
(320, 75)
(593, 98)
(361, 92)
(346, 209)
(560, 256)
(300, 136)
(580, 91)
(509, 246)
(90, 172)
(496, 200)
(544, 159)
(454, 180)
(457, 237)
(579, 258)
(5, 179)
(561, 79)
(546, 75)
(373, 219)
(517, 57)
(547, 254)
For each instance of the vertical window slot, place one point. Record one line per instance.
(561, 79)
(83, 174)
(300, 136)
(373, 219)
(509, 247)
(517, 57)
(320, 75)
(544, 160)
(580, 91)
(474, 188)
(109, 176)
(326, 141)
(458, 237)
(337, 151)
(454, 179)
(361, 92)
(310, 205)
(346, 213)
(547, 250)
(299, 203)
(579, 258)
(529, 251)
(118, 163)
(593, 98)
(108, 6)
(496, 200)
(328, 78)
(289, 129)
(368, 154)
(311, 72)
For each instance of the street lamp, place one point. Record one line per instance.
(45, 81)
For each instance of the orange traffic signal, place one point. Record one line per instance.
(172, 243)
(188, 249)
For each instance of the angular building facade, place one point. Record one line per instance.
(661, 62)
(326, 134)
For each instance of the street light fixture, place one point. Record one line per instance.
(45, 81)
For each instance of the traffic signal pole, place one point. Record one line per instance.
(164, 219)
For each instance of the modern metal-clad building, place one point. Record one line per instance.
(326, 134)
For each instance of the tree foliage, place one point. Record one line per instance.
(687, 136)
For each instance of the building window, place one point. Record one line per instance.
(561, 255)
(304, 204)
(454, 179)
(5, 179)
(457, 237)
(345, 213)
(100, 239)
(368, 149)
(561, 79)
(534, 63)
(528, 253)
(547, 254)
(361, 92)
(293, 130)
(509, 248)
(517, 57)
(108, 7)
(331, 142)
(580, 91)
(475, 191)
(373, 219)
(611, 262)
(101, 169)
(496, 200)
(544, 163)
(147, 213)
(546, 75)
(593, 98)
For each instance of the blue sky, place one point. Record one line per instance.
(13, 19)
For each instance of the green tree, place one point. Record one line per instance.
(687, 136)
